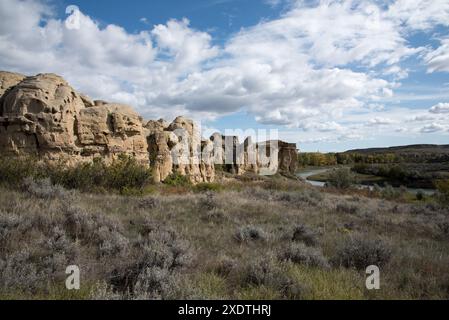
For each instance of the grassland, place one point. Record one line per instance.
(246, 238)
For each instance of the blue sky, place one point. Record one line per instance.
(219, 17)
(329, 75)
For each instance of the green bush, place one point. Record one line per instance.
(341, 178)
(443, 190)
(205, 187)
(123, 174)
(126, 173)
(420, 196)
(177, 180)
(14, 170)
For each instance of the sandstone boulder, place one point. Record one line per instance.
(188, 153)
(44, 115)
(128, 133)
(156, 126)
(264, 158)
(42, 110)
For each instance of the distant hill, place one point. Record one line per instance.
(415, 148)
(418, 153)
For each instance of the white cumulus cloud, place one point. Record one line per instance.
(440, 108)
(325, 67)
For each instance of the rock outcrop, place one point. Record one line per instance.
(8, 80)
(178, 148)
(264, 158)
(44, 116)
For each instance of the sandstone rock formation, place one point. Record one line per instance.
(264, 158)
(178, 148)
(8, 80)
(38, 116)
(44, 116)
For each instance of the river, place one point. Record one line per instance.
(310, 172)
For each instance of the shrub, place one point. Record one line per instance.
(17, 272)
(420, 195)
(302, 233)
(443, 190)
(359, 253)
(154, 283)
(13, 170)
(301, 254)
(345, 207)
(103, 291)
(390, 193)
(111, 242)
(10, 225)
(341, 178)
(149, 203)
(208, 202)
(225, 265)
(444, 228)
(208, 187)
(159, 257)
(39, 264)
(309, 196)
(44, 188)
(177, 180)
(123, 174)
(126, 173)
(84, 176)
(216, 215)
(265, 272)
(250, 233)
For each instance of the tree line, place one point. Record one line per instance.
(330, 159)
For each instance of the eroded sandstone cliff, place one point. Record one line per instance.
(44, 116)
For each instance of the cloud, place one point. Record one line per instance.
(379, 121)
(440, 108)
(432, 128)
(415, 15)
(186, 47)
(105, 62)
(438, 59)
(324, 67)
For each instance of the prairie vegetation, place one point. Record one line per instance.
(246, 238)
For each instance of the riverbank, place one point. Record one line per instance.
(318, 176)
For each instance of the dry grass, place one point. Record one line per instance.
(267, 239)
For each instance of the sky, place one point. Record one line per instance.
(328, 75)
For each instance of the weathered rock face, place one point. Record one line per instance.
(288, 157)
(38, 116)
(44, 116)
(161, 144)
(178, 148)
(111, 129)
(265, 158)
(228, 153)
(8, 80)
